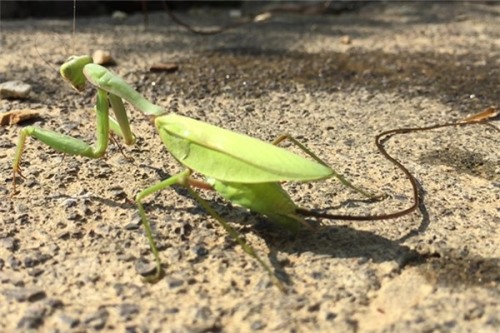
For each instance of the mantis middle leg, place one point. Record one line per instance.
(186, 181)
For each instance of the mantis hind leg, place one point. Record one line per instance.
(185, 180)
(341, 178)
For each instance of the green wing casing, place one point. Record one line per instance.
(232, 157)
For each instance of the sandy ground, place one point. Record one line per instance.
(71, 245)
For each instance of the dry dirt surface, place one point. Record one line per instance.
(72, 247)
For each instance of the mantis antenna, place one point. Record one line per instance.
(74, 28)
(479, 118)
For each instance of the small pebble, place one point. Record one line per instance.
(131, 329)
(235, 13)
(257, 325)
(67, 321)
(35, 272)
(117, 192)
(128, 310)
(102, 57)
(119, 15)
(136, 219)
(14, 89)
(174, 283)
(8, 243)
(17, 116)
(14, 262)
(200, 251)
(29, 322)
(163, 67)
(131, 226)
(102, 230)
(35, 258)
(13, 278)
(71, 202)
(144, 267)
(474, 310)
(21, 208)
(97, 321)
(25, 294)
(54, 303)
(345, 40)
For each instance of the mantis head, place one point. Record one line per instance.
(72, 71)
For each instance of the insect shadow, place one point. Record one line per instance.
(327, 240)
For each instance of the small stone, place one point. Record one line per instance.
(314, 307)
(131, 329)
(330, 316)
(8, 243)
(200, 251)
(117, 192)
(21, 208)
(97, 321)
(69, 203)
(29, 322)
(102, 57)
(14, 89)
(128, 310)
(345, 40)
(35, 258)
(262, 17)
(164, 68)
(173, 254)
(17, 116)
(54, 303)
(131, 226)
(174, 283)
(172, 310)
(14, 262)
(474, 311)
(257, 325)
(102, 230)
(25, 294)
(35, 272)
(119, 15)
(235, 13)
(135, 219)
(67, 321)
(13, 278)
(203, 313)
(144, 267)
(126, 257)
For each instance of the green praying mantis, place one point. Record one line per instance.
(244, 170)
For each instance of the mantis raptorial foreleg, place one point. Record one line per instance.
(73, 146)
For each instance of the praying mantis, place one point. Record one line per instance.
(244, 170)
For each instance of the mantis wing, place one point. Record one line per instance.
(232, 157)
